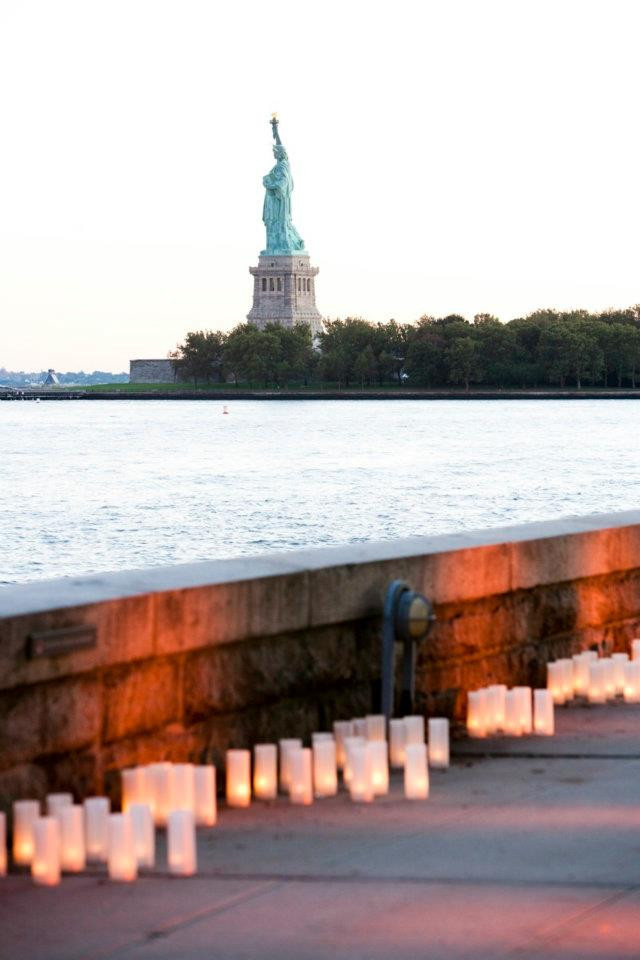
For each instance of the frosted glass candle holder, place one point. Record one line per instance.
(635, 649)
(413, 730)
(632, 681)
(238, 778)
(496, 694)
(73, 856)
(55, 802)
(183, 787)
(181, 843)
(376, 725)
(350, 742)
(619, 661)
(318, 735)
(45, 865)
(512, 726)
(477, 709)
(379, 766)
(359, 764)
(144, 835)
(566, 664)
(341, 730)
(609, 675)
(300, 776)
(581, 674)
(265, 771)
(96, 826)
(3, 844)
(205, 804)
(416, 772)
(25, 814)
(555, 681)
(597, 689)
(543, 717)
(396, 743)
(525, 709)
(161, 788)
(121, 856)
(438, 748)
(286, 745)
(325, 769)
(133, 784)
(360, 727)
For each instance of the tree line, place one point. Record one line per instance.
(546, 348)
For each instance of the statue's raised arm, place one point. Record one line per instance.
(282, 237)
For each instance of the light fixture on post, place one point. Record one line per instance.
(407, 618)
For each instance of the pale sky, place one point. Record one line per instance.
(448, 156)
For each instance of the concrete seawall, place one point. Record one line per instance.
(182, 662)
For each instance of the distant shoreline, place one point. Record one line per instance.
(228, 395)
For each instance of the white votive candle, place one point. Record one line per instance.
(525, 708)
(96, 825)
(349, 742)
(512, 726)
(144, 835)
(567, 677)
(597, 690)
(325, 769)
(496, 694)
(379, 763)
(619, 660)
(289, 743)
(632, 681)
(45, 865)
(25, 814)
(608, 673)
(161, 787)
(416, 772)
(238, 778)
(181, 843)
(477, 713)
(376, 726)
(300, 776)
(635, 649)
(73, 856)
(319, 735)
(265, 771)
(360, 727)
(55, 802)
(359, 763)
(205, 805)
(581, 674)
(183, 787)
(413, 729)
(396, 743)
(543, 720)
(341, 730)
(3, 844)
(121, 856)
(438, 748)
(555, 681)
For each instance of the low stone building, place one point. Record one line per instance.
(154, 371)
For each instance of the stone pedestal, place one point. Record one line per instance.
(284, 292)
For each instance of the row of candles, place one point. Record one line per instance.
(521, 710)
(181, 796)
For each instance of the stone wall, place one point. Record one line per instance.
(191, 659)
(152, 371)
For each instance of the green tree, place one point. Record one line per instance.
(463, 361)
(200, 355)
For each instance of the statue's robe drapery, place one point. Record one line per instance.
(282, 236)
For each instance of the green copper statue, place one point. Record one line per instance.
(282, 237)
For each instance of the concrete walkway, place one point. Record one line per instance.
(526, 849)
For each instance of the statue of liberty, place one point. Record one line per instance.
(282, 237)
